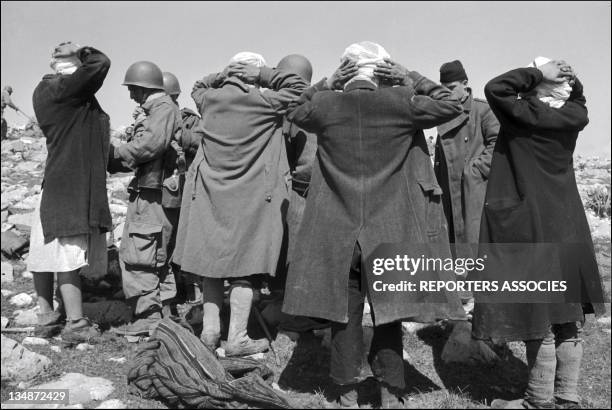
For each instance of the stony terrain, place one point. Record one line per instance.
(96, 375)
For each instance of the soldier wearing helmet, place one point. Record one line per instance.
(148, 283)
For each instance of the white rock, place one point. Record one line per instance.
(604, 321)
(27, 274)
(84, 347)
(118, 209)
(220, 352)
(56, 349)
(22, 299)
(7, 272)
(5, 322)
(14, 195)
(34, 341)
(256, 356)
(119, 360)
(27, 317)
(405, 355)
(27, 166)
(118, 231)
(28, 203)
(83, 389)
(21, 219)
(413, 327)
(6, 293)
(112, 404)
(19, 363)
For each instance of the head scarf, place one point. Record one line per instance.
(64, 59)
(366, 55)
(249, 58)
(553, 94)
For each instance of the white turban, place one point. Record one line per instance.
(249, 58)
(553, 94)
(65, 65)
(366, 55)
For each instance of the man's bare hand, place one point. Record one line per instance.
(392, 73)
(556, 71)
(246, 72)
(346, 71)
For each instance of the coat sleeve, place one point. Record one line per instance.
(200, 87)
(303, 112)
(490, 128)
(504, 96)
(151, 138)
(432, 104)
(283, 88)
(87, 79)
(191, 135)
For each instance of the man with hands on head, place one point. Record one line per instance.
(236, 192)
(532, 198)
(372, 183)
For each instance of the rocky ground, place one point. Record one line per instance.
(96, 375)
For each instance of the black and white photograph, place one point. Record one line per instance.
(306, 204)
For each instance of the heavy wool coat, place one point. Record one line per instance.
(237, 188)
(464, 150)
(77, 130)
(372, 183)
(531, 198)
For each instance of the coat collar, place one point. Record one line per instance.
(460, 119)
(360, 85)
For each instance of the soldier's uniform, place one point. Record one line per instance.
(147, 236)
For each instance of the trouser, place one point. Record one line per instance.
(212, 298)
(385, 356)
(554, 365)
(145, 246)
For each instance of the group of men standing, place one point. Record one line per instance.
(275, 176)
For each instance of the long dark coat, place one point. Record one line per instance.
(532, 198)
(237, 188)
(372, 183)
(464, 150)
(77, 130)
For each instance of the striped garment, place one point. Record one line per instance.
(174, 366)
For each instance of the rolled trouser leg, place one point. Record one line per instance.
(542, 363)
(569, 352)
(212, 297)
(141, 289)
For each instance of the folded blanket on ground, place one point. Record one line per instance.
(176, 367)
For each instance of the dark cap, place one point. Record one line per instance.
(452, 71)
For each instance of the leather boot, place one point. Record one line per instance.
(238, 342)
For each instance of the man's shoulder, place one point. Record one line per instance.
(481, 102)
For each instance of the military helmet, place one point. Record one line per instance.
(144, 74)
(171, 84)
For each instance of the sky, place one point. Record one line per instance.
(193, 39)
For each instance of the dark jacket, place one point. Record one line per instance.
(463, 159)
(372, 183)
(77, 130)
(147, 150)
(532, 198)
(237, 188)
